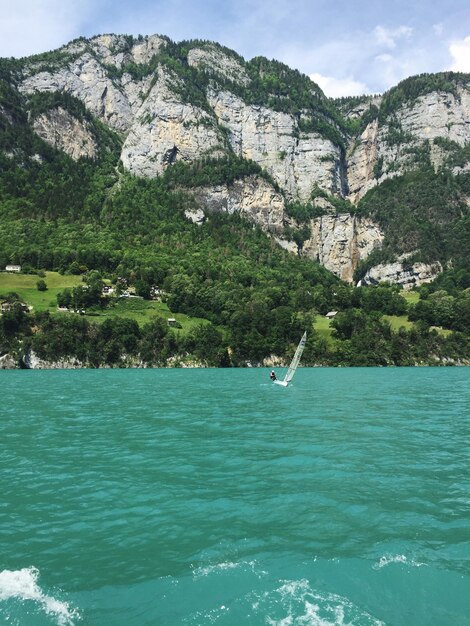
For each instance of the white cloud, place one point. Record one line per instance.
(388, 36)
(460, 52)
(338, 87)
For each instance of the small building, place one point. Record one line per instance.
(171, 321)
(9, 306)
(12, 268)
(331, 314)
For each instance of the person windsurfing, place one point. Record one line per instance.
(272, 375)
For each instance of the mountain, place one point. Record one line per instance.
(183, 103)
(154, 158)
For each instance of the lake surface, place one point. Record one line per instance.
(212, 497)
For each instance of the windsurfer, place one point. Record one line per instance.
(272, 375)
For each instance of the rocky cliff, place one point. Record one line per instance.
(339, 242)
(385, 149)
(182, 103)
(65, 132)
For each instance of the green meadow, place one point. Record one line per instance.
(322, 325)
(25, 285)
(323, 328)
(142, 311)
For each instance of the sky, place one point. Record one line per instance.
(348, 47)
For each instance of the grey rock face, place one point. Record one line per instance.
(362, 159)
(160, 126)
(143, 51)
(271, 139)
(8, 362)
(252, 197)
(339, 242)
(196, 216)
(401, 273)
(168, 130)
(63, 131)
(434, 115)
(438, 114)
(217, 62)
(86, 79)
(33, 362)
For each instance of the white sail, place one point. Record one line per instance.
(294, 363)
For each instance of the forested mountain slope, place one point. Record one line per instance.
(144, 158)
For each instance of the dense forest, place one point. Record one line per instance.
(91, 218)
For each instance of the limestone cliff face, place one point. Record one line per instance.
(402, 273)
(362, 159)
(86, 79)
(160, 126)
(252, 197)
(211, 59)
(339, 242)
(390, 148)
(296, 161)
(64, 132)
(167, 130)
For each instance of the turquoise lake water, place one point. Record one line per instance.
(212, 497)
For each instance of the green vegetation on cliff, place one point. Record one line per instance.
(237, 295)
(422, 211)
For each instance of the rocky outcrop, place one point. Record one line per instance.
(116, 50)
(438, 114)
(63, 131)
(215, 61)
(297, 161)
(32, 361)
(362, 160)
(253, 197)
(161, 126)
(339, 242)
(167, 130)
(86, 79)
(9, 362)
(402, 273)
(392, 148)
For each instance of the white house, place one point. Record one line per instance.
(13, 268)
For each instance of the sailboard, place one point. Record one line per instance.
(294, 363)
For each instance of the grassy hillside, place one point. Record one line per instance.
(25, 285)
(135, 308)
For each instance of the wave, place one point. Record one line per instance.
(227, 565)
(23, 585)
(387, 559)
(301, 605)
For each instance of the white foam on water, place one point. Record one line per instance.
(304, 606)
(211, 616)
(388, 559)
(220, 567)
(23, 585)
